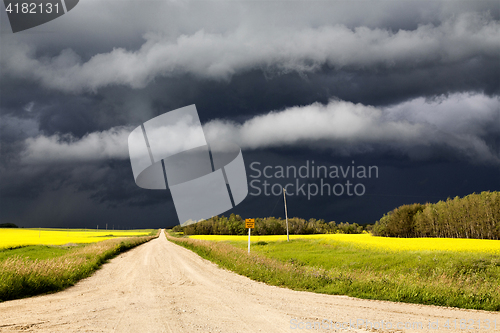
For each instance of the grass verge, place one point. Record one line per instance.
(455, 279)
(38, 269)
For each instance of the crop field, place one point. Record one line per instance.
(16, 237)
(462, 273)
(367, 241)
(36, 261)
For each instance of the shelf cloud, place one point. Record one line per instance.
(411, 86)
(339, 125)
(218, 56)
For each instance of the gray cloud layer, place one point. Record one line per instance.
(220, 55)
(343, 126)
(349, 127)
(380, 80)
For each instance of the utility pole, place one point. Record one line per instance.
(286, 216)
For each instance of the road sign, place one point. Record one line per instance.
(249, 223)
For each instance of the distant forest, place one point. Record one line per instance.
(8, 225)
(473, 216)
(235, 225)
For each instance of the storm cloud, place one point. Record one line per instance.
(458, 39)
(339, 125)
(412, 86)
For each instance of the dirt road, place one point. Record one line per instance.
(162, 287)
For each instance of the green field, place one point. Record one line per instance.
(27, 270)
(449, 277)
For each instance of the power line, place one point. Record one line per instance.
(279, 199)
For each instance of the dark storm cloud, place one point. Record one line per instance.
(282, 50)
(414, 127)
(76, 193)
(101, 25)
(400, 181)
(414, 81)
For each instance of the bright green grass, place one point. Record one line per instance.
(36, 269)
(40, 252)
(368, 241)
(449, 278)
(346, 257)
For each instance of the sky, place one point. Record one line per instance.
(408, 88)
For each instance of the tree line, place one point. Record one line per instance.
(235, 225)
(474, 216)
(8, 225)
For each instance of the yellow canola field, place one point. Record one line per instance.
(18, 237)
(383, 243)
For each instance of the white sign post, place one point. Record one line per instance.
(250, 224)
